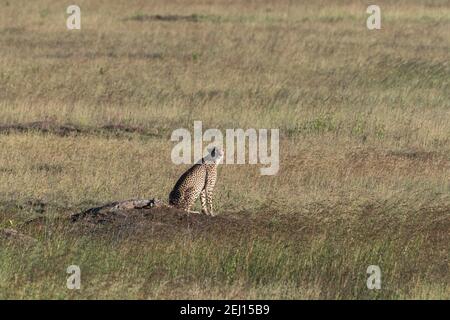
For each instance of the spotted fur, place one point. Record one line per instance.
(199, 180)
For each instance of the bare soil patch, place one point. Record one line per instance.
(65, 130)
(151, 217)
(168, 18)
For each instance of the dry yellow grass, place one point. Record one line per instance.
(364, 119)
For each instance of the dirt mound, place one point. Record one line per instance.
(152, 217)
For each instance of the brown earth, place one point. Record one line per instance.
(64, 130)
(137, 217)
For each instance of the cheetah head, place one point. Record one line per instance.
(215, 155)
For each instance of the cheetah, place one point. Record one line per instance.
(199, 180)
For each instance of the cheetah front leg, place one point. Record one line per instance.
(190, 198)
(203, 200)
(209, 201)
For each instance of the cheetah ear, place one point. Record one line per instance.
(212, 151)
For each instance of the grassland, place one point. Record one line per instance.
(364, 119)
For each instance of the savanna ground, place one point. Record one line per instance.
(364, 119)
